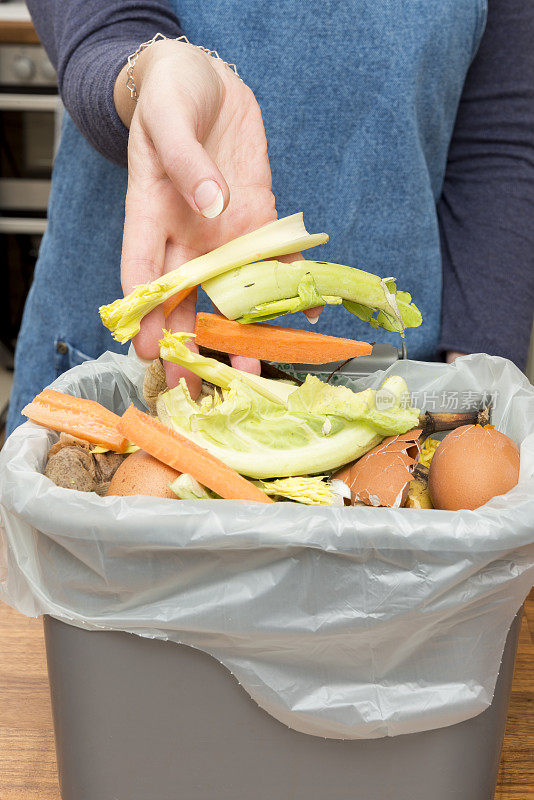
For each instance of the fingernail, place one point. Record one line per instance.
(209, 199)
(313, 317)
(313, 320)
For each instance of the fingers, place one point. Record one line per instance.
(146, 342)
(143, 247)
(313, 314)
(245, 364)
(148, 220)
(452, 355)
(192, 171)
(180, 320)
(142, 260)
(180, 99)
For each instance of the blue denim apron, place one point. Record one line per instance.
(358, 99)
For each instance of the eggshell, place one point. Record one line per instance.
(382, 476)
(140, 473)
(472, 465)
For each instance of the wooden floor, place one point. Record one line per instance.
(27, 758)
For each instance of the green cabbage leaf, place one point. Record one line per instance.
(316, 429)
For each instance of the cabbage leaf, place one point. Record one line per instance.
(316, 429)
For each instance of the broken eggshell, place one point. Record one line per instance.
(382, 476)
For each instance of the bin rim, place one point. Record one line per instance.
(398, 528)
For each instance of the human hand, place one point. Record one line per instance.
(452, 355)
(197, 148)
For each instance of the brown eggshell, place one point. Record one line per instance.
(140, 473)
(382, 476)
(472, 465)
(344, 473)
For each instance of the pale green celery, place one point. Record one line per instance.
(264, 439)
(312, 491)
(187, 488)
(281, 237)
(249, 293)
(409, 313)
(132, 448)
(308, 297)
(279, 308)
(172, 348)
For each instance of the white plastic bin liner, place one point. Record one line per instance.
(340, 622)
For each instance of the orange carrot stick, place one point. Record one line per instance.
(183, 455)
(170, 304)
(274, 343)
(86, 419)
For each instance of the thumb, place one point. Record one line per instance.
(191, 169)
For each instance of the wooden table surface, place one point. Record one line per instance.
(27, 757)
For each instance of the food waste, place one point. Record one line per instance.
(269, 438)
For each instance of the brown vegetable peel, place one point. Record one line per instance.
(71, 464)
(434, 421)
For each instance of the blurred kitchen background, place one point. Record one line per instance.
(30, 120)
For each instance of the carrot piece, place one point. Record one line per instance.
(86, 419)
(170, 304)
(274, 343)
(183, 455)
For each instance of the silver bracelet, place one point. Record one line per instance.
(130, 83)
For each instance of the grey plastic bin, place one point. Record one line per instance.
(142, 719)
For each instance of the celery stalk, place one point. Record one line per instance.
(265, 290)
(172, 348)
(312, 491)
(185, 487)
(281, 237)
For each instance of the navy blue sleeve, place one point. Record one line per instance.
(486, 212)
(89, 41)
